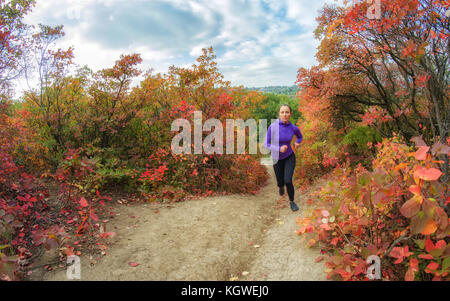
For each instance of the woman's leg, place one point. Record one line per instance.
(279, 169)
(288, 174)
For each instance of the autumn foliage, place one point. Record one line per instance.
(374, 117)
(80, 133)
(376, 78)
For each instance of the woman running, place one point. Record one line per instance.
(284, 167)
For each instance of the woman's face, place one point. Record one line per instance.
(285, 114)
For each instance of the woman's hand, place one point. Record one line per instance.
(283, 148)
(295, 146)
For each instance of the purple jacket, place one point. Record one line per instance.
(285, 133)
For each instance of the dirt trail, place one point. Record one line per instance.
(213, 238)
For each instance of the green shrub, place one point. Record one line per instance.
(358, 139)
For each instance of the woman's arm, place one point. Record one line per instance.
(299, 135)
(267, 143)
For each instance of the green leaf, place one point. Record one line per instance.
(446, 264)
(348, 249)
(420, 243)
(4, 247)
(364, 179)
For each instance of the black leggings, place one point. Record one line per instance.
(284, 170)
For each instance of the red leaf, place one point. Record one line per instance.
(414, 264)
(429, 246)
(133, 264)
(427, 174)
(107, 234)
(441, 244)
(409, 276)
(431, 267)
(93, 215)
(421, 153)
(400, 253)
(83, 202)
(411, 207)
(319, 259)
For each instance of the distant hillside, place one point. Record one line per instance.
(285, 90)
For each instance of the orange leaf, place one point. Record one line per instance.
(430, 228)
(414, 189)
(401, 166)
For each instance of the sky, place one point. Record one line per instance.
(256, 42)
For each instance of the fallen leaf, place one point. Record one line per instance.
(319, 259)
(245, 273)
(133, 264)
(256, 246)
(107, 234)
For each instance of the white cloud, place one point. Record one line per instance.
(257, 42)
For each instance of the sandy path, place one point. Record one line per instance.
(213, 238)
